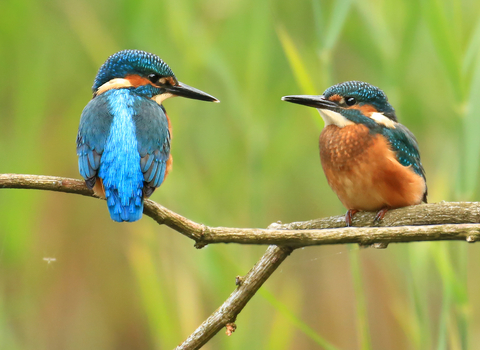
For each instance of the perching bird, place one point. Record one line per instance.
(123, 142)
(371, 161)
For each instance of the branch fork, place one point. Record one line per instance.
(426, 222)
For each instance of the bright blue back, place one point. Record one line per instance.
(120, 162)
(123, 139)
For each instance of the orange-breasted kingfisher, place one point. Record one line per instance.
(371, 161)
(123, 142)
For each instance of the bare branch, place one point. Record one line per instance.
(360, 235)
(427, 222)
(227, 313)
(61, 184)
(49, 183)
(425, 214)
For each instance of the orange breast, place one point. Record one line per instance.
(98, 189)
(170, 158)
(363, 171)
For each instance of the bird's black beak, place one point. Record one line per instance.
(190, 92)
(312, 101)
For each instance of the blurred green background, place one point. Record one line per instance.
(247, 162)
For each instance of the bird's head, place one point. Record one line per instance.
(351, 102)
(146, 74)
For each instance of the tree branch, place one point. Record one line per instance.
(428, 222)
(248, 286)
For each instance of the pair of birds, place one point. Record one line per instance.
(370, 160)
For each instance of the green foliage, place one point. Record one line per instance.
(246, 162)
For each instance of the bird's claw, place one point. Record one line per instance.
(380, 215)
(349, 216)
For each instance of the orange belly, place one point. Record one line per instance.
(170, 158)
(363, 171)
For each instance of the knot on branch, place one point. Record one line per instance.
(376, 245)
(239, 281)
(275, 226)
(231, 327)
(199, 241)
(471, 239)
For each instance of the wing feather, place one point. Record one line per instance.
(153, 141)
(92, 134)
(405, 146)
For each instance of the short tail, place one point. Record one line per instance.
(126, 208)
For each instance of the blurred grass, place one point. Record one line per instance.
(246, 162)
(363, 329)
(289, 315)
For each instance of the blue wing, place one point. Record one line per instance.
(152, 133)
(92, 135)
(153, 142)
(405, 146)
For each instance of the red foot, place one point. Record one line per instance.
(380, 215)
(349, 216)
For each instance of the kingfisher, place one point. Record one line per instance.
(123, 141)
(371, 161)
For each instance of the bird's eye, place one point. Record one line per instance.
(153, 77)
(350, 101)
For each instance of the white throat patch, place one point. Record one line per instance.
(381, 119)
(162, 97)
(116, 83)
(334, 118)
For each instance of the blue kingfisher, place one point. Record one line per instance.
(123, 142)
(371, 161)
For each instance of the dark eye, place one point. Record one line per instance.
(350, 101)
(153, 77)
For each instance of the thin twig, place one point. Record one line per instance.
(248, 286)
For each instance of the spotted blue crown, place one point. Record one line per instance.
(128, 62)
(364, 93)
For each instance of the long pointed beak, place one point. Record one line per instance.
(312, 101)
(190, 92)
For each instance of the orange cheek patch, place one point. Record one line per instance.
(365, 109)
(137, 80)
(335, 98)
(168, 80)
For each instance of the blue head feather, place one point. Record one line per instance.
(364, 93)
(128, 62)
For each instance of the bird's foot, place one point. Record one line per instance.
(380, 215)
(349, 216)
